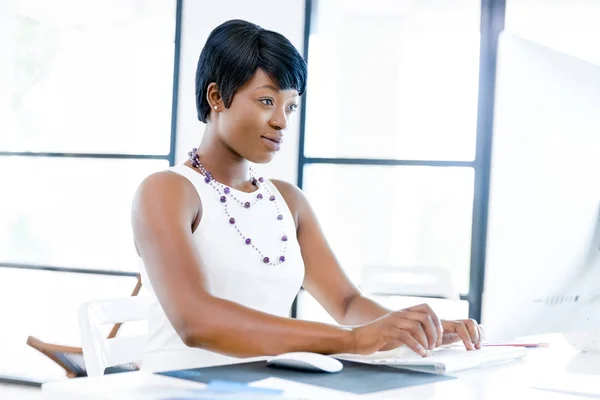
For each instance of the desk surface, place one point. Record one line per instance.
(541, 367)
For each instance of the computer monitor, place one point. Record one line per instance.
(543, 240)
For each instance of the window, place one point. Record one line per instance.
(64, 211)
(421, 216)
(89, 76)
(391, 122)
(393, 80)
(86, 105)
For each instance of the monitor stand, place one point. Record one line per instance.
(586, 341)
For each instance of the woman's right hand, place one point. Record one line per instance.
(416, 327)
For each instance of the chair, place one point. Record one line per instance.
(70, 358)
(409, 281)
(398, 287)
(100, 352)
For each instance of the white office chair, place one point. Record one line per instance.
(100, 352)
(409, 281)
(398, 287)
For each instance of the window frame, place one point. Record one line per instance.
(170, 157)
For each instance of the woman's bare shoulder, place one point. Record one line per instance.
(293, 196)
(167, 193)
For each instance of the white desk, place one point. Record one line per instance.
(506, 381)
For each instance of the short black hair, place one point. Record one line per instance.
(234, 51)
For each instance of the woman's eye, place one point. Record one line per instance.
(293, 107)
(267, 102)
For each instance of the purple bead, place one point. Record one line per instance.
(261, 179)
(223, 199)
(259, 196)
(248, 241)
(284, 238)
(227, 190)
(272, 198)
(254, 181)
(207, 179)
(232, 221)
(247, 204)
(266, 260)
(194, 150)
(280, 217)
(282, 258)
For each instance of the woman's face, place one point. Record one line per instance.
(255, 123)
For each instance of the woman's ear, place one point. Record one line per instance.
(213, 96)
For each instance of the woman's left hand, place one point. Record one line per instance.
(466, 330)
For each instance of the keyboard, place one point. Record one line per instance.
(444, 359)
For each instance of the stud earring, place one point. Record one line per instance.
(215, 107)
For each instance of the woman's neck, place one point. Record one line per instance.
(225, 165)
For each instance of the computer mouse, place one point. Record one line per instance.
(306, 362)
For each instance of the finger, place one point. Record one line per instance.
(478, 344)
(410, 342)
(450, 338)
(428, 326)
(463, 333)
(440, 336)
(473, 331)
(415, 329)
(438, 325)
(435, 321)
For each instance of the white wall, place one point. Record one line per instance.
(199, 18)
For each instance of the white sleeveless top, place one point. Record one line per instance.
(234, 270)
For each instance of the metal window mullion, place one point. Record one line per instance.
(493, 14)
(74, 270)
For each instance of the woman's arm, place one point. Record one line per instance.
(326, 281)
(165, 209)
(324, 278)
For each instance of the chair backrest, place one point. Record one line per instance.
(100, 352)
(409, 281)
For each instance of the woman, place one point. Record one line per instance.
(226, 251)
